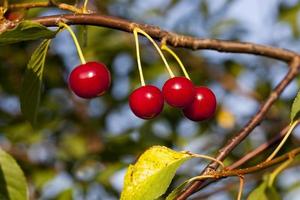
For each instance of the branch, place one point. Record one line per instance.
(258, 167)
(170, 38)
(259, 149)
(255, 121)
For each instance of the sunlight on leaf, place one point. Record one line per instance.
(152, 174)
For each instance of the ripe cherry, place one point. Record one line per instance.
(203, 106)
(90, 80)
(146, 102)
(178, 92)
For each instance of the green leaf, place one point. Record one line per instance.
(177, 191)
(152, 174)
(290, 15)
(26, 30)
(13, 184)
(272, 193)
(265, 191)
(65, 195)
(259, 192)
(32, 83)
(295, 108)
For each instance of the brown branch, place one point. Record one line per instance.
(171, 38)
(61, 6)
(259, 149)
(258, 167)
(255, 121)
(238, 172)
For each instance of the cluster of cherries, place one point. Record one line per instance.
(198, 103)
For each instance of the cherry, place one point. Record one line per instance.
(178, 92)
(90, 80)
(146, 102)
(203, 106)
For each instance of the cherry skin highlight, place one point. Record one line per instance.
(90, 80)
(178, 92)
(146, 102)
(203, 106)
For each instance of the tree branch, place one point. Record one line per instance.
(255, 120)
(259, 149)
(258, 167)
(170, 38)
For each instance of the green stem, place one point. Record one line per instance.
(279, 169)
(157, 48)
(204, 157)
(166, 48)
(85, 6)
(61, 24)
(294, 124)
(136, 37)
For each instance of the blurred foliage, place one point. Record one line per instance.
(80, 149)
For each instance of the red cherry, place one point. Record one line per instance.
(146, 102)
(178, 92)
(90, 80)
(203, 106)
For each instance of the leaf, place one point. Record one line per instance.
(272, 193)
(259, 192)
(290, 15)
(65, 195)
(176, 191)
(32, 83)
(13, 184)
(26, 30)
(295, 108)
(151, 175)
(265, 191)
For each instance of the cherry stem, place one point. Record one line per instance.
(61, 24)
(205, 157)
(293, 125)
(136, 38)
(138, 30)
(166, 48)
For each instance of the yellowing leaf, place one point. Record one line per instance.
(13, 184)
(152, 174)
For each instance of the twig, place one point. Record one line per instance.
(170, 38)
(255, 120)
(259, 149)
(263, 165)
